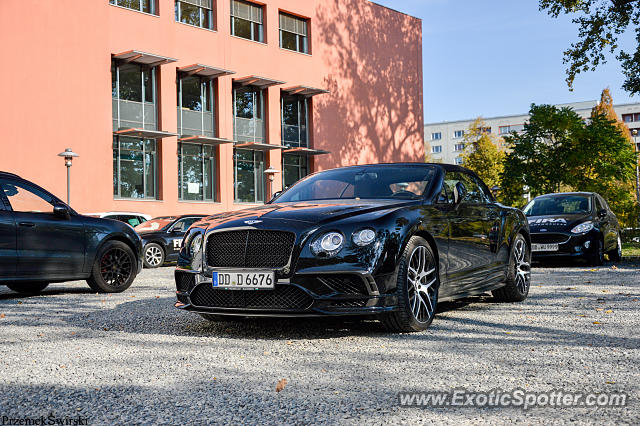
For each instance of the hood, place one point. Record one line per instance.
(307, 211)
(556, 223)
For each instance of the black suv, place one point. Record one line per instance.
(43, 240)
(162, 238)
(573, 224)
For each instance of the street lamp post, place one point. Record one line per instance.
(68, 155)
(634, 132)
(271, 175)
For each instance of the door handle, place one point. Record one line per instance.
(27, 224)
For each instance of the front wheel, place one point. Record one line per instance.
(518, 278)
(114, 268)
(615, 255)
(153, 255)
(27, 288)
(418, 283)
(597, 258)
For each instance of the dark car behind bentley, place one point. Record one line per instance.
(43, 240)
(162, 237)
(573, 225)
(389, 240)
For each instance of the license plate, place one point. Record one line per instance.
(244, 280)
(544, 247)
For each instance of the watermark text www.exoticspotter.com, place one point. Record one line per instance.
(44, 421)
(518, 398)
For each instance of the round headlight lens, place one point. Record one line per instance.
(196, 244)
(328, 244)
(582, 228)
(364, 237)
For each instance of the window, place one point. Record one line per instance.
(134, 168)
(196, 172)
(248, 113)
(183, 224)
(485, 130)
(436, 149)
(294, 121)
(505, 130)
(458, 134)
(196, 107)
(436, 136)
(458, 161)
(133, 94)
(630, 118)
(26, 199)
(195, 12)
(293, 33)
(458, 147)
(248, 176)
(475, 192)
(246, 20)
(294, 168)
(147, 6)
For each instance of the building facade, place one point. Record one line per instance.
(444, 141)
(206, 95)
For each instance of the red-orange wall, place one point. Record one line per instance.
(55, 92)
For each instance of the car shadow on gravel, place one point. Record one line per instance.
(6, 294)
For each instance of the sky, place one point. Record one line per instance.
(497, 57)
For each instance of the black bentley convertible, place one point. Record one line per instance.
(390, 240)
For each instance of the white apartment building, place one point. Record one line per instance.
(444, 141)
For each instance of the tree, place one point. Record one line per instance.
(601, 22)
(483, 153)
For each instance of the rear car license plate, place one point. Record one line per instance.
(243, 280)
(544, 247)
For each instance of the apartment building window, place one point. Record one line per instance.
(458, 160)
(133, 93)
(294, 33)
(294, 121)
(630, 118)
(147, 6)
(196, 107)
(458, 147)
(248, 114)
(485, 130)
(195, 12)
(196, 172)
(505, 130)
(436, 149)
(249, 184)
(134, 168)
(436, 136)
(294, 168)
(458, 134)
(246, 20)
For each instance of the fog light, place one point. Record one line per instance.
(587, 244)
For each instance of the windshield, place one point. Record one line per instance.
(558, 205)
(396, 182)
(154, 224)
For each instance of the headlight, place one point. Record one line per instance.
(195, 245)
(582, 228)
(328, 244)
(364, 237)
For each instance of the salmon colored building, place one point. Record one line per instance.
(180, 106)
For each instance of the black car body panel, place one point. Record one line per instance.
(169, 237)
(472, 244)
(44, 246)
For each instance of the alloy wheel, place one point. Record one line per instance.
(116, 267)
(153, 256)
(522, 266)
(422, 277)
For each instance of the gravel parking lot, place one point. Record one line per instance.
(132, 357)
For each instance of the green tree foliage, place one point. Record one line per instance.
(558, 151)
(483, 153)
(600, 24)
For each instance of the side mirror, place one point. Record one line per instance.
(275, 195)
(459, 193)
(61, 211)
(495, 190)
(602, 213)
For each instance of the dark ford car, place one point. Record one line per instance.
(43, 240)
(162, 237)
(573, 224)
(389, 240)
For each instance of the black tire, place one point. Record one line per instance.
(518, 280)
(153, 256)
(28, 288)
(597, 257)
(219, 318)
(615, 255)
(114, 268)
(417, 297)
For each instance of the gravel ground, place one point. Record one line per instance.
(133, 358)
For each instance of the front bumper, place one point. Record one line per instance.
(569, 245)
(332, 294)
